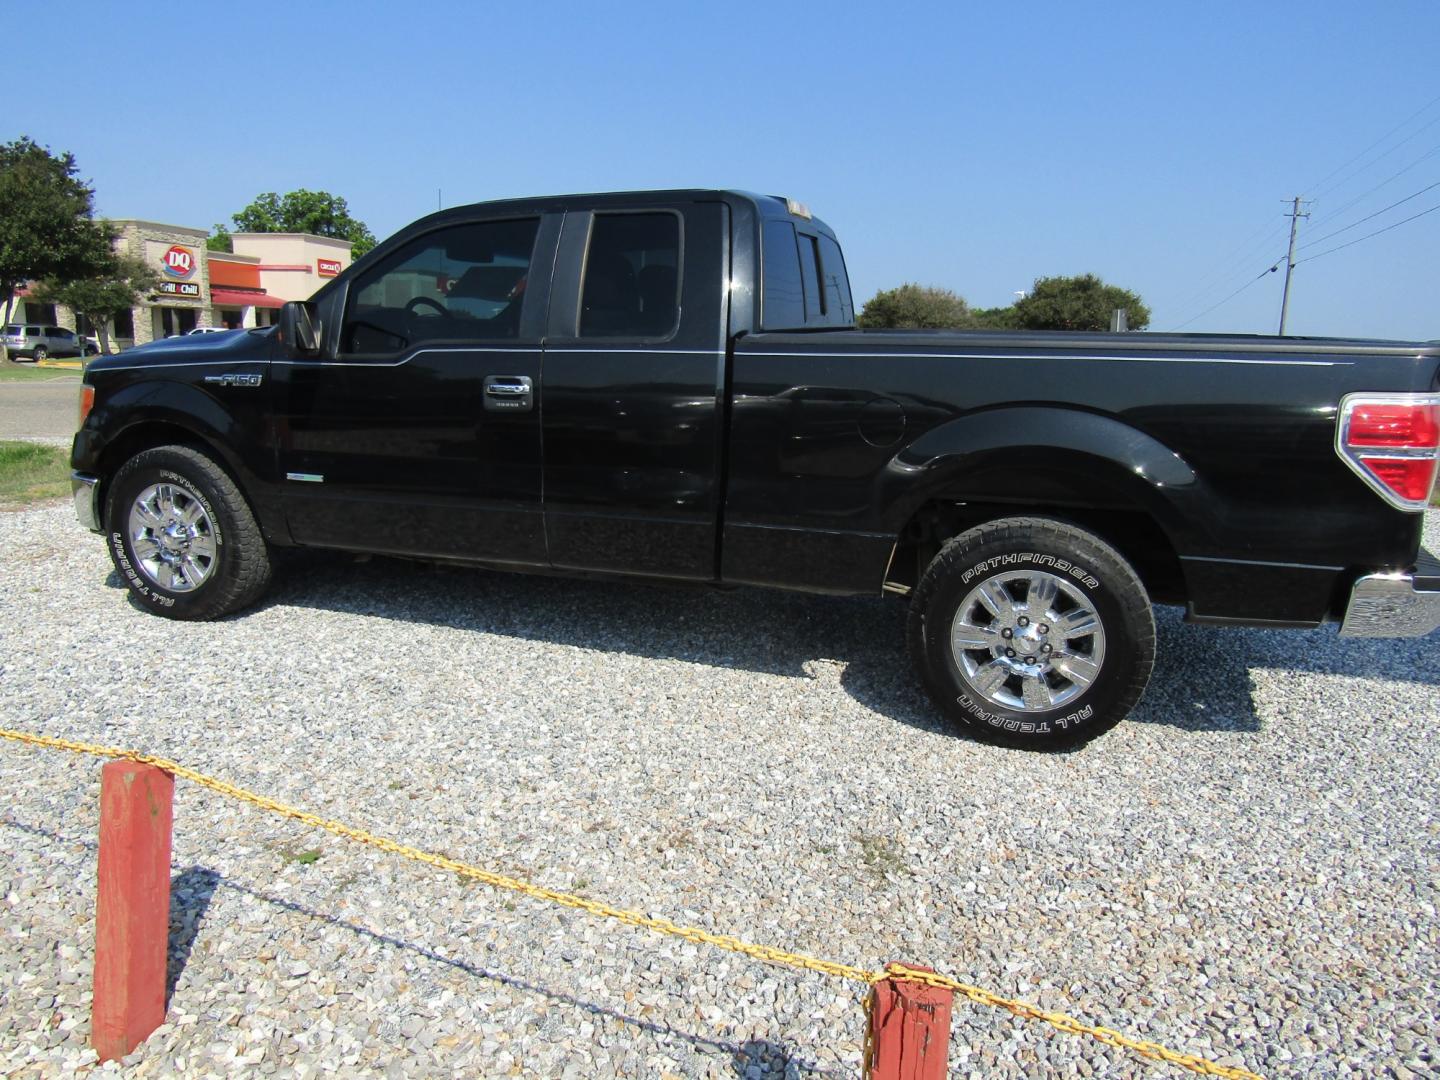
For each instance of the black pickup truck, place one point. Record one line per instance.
(670, 385)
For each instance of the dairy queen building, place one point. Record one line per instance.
(201, 288)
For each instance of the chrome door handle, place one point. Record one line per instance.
(506, 385)
(509, 393)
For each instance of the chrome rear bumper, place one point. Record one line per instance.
(1396, 604)
(85, 489)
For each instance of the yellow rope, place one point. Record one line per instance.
(980, 996)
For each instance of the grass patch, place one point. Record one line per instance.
(30, 373)
(30, 472)
(883, 857)
(304, 858)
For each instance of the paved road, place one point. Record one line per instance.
(39, 409)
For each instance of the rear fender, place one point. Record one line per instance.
(1043, 456)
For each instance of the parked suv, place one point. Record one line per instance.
(35, 341)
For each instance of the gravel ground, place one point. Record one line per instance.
(1247, 869)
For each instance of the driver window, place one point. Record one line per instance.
(459, 284)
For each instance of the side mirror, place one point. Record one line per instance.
(298, 328)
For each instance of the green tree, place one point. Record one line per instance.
(996, 318)
(118, 288)
(1083, 302)
(315, 212)
(915, 307)
(46, 224)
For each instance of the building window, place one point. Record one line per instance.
(37, 312)
(125, 325)
(171, 322)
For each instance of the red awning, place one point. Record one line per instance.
(244, 298)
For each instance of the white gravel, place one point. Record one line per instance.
(1246, 870)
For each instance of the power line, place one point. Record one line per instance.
(1214, 279)
(1227, 299)
(1423, 109)
(1367, 236)
(1393, 176)
(1367, 217)
(1319, 254)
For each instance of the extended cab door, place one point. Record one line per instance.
(420, 433)
(634, 382)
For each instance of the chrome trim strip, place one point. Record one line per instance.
(1387, 605)
(230, 362)
(85, 492)
(1258, 562)
(534, 350)
(807, 529)
(646, 352)
(1054, 356)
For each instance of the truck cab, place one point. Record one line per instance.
(416, 427)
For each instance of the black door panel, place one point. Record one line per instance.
(400, 452)
(633, 389)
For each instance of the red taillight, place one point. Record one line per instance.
(87, 402)
(1393, 442)
(1395, 424)
(1410, 478)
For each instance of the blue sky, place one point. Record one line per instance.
(971, 146)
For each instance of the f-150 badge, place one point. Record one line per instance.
(234, 379)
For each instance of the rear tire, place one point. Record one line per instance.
(1032, 633)
(183, 537)
(40, 353)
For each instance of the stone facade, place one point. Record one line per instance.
(148, 240)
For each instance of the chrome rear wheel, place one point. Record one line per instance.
(1028, 641)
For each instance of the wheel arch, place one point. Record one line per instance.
(1088, 470)
(146, 432)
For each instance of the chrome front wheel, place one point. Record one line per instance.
(182, 536)
(172, 537)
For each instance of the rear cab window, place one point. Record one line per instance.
(803, 280)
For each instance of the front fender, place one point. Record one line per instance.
(1043, 455)
(157, 410)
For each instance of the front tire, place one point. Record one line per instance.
(183, 537)
(1030, 632)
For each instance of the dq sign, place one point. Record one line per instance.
(178, 262)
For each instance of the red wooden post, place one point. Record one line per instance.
(132, 906)
(909, 1030)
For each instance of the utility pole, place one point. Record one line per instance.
(1295, 215)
